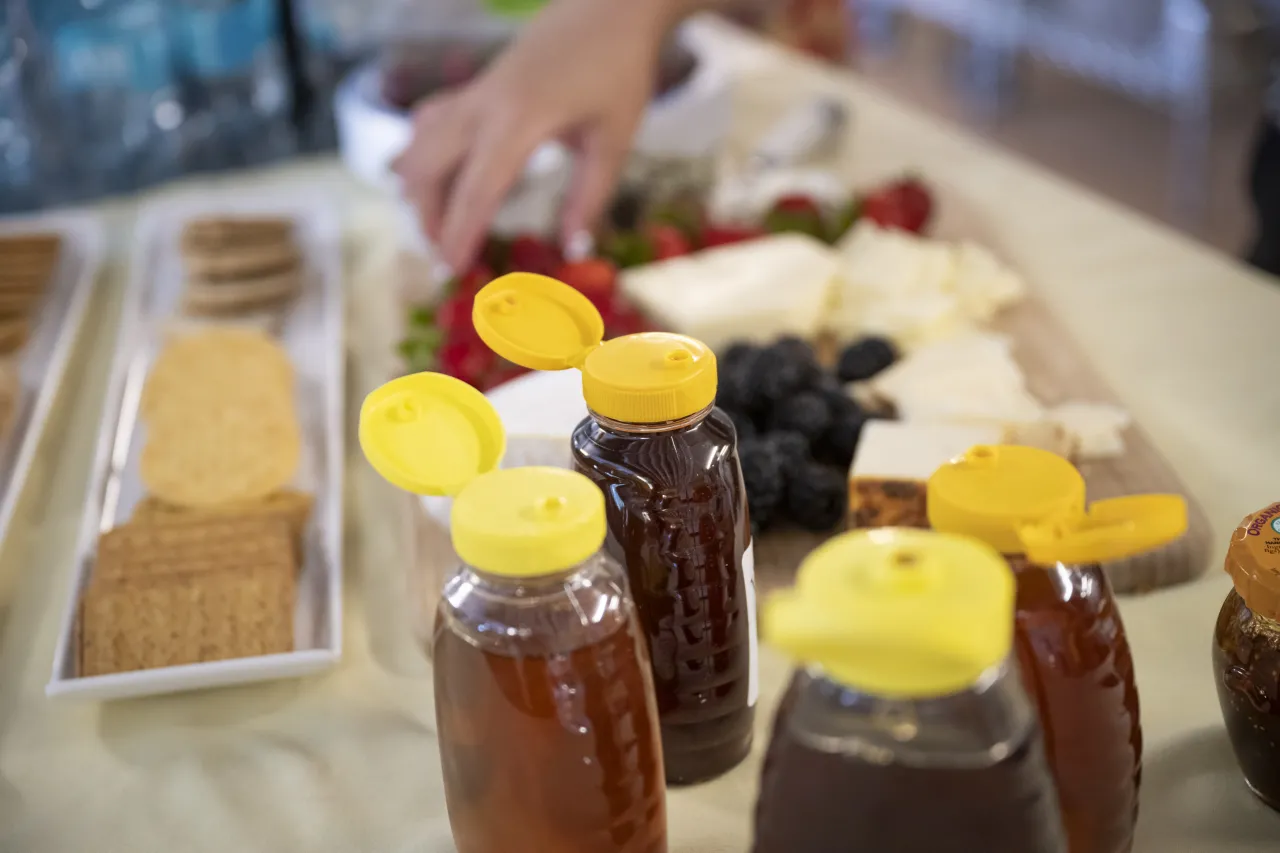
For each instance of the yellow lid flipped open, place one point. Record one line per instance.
(543, 324)
(1024, 500)
(906, 614)
(432, 434)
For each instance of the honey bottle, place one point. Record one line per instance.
(1029, 504)
(667, 462)
(545, 712)
(907, 728)
(1246, 652)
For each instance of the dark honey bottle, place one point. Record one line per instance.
(1246, 652)
(907, 728)
(667, 462)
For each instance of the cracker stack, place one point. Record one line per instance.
(182, 592)
(27, 264)
(207, 567)
(240, 265)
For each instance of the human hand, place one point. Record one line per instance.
(582, 71)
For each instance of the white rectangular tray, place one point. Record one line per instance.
(312, 332)
(55, 328)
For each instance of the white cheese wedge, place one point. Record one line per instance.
(1098, 428)
(900, 450)
(915, 289)
(757, 290)
(971, 377)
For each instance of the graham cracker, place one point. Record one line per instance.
(25, 245)
(186, 618)
(288, 505)
(177, 593)
(145, 550)
(14, 332)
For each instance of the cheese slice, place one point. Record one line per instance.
(757, 290)
(893, 463)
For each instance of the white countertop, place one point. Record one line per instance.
(346, 762)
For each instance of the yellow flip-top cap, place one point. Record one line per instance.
(543, 324)
(527, 522)
(430, 434)
(897, 613)
(1023, 500)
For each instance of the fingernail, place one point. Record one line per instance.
(580, 245)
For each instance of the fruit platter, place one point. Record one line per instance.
(863, 340)
(439, 335)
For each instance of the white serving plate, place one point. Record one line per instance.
(312, 332)
(55, 328)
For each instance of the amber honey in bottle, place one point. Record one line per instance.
(666, 460)
(907, 728)
(1071, 646)
(545, 712)
(1246, 652)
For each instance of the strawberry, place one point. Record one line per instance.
(594, 278)
(504, 372)
(622, 318)
(470, 282)
(727, 235)
(668, 241)
(495, 254)
(470, 362)
(796, 213)
(453, 316)
(533, 254)
(904, 204)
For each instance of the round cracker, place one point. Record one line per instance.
(212, 297)
(229, 362)
(210, 461)
(240, 263)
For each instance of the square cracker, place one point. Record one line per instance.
(150, 549)
(289, 505)
(173, 593)
(186, 618)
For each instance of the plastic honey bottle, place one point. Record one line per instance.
(545, 714)
(667, 462)
(1029, 504)
(907, 728)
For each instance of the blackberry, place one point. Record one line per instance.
(865, 358)
(839, 443)
(817, 497)
(806, 413)
(838, 400)
(762, 473)
(737, 388)
(793, 447)
(626, 210)
(742, 423)
(784, 369)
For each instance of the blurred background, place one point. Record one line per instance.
(1154, 102)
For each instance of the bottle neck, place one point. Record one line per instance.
(977, 727)
(626, 428)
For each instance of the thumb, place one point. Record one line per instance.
(602, 151)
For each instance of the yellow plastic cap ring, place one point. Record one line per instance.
(650, 378)
(528, 522)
